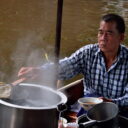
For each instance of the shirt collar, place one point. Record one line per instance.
(98, 51)
(122, 52)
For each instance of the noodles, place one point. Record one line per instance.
(5, 90)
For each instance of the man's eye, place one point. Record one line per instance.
(100, 32)
(109, 33)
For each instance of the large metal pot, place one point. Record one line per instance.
(31, 106)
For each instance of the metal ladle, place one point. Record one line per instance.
(5, 89)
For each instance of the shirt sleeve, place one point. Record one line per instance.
(71, 66)
(122, 101)
(67, 67)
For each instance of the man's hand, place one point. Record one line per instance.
(29, 72)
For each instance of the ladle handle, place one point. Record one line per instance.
(18, 81)
(87, 124)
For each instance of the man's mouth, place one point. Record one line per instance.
(102, 45)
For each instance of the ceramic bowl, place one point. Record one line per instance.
(89, 102)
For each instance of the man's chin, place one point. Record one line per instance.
(103, 49)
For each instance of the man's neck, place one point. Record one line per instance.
(110, 59)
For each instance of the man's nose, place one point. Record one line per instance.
(104, 36)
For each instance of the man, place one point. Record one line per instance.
(104, 65)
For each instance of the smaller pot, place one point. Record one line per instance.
(103, 115)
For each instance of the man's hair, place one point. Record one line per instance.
(120, 24)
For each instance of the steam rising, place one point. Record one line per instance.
(26, 54)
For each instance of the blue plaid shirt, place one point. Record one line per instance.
(89, 61)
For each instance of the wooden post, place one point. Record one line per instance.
(58, 36)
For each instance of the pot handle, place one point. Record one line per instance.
(72, 125)
(62, 107)
(87, 124)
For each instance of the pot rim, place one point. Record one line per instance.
(62, 101)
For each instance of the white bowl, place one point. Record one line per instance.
(89, 102)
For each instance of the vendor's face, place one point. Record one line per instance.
(109, 38)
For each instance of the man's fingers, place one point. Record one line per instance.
(25, 71)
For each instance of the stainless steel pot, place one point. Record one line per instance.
(104, 115)
(31, 106)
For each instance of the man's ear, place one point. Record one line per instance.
(122, 37)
